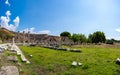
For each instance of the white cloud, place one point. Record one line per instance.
(8, 13)
(113, 37)
(6, 19)
(16, 21)
(44, 32)
(118, 30)
(32, 30)
(7, 3)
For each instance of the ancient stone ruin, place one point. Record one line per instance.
(9, 70)
(35, 39)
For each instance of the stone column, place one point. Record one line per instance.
(34, 39)
(28, 37)
(0, 26)
(18, 37)
(23, 37)
(13, 40)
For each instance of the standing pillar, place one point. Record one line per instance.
(18, 37)
(34, 39)
(0, 26)
(23, 37)
(13, 40)
(28, 37)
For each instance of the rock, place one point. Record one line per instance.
(12, 52)
(27, 62)
(31, 55)
(74, 63)
(63, 49)
(74, 50)
(118, 61)
(12, 58)
(24, 59)
(18, 53)
(9, 70)
(80, 64)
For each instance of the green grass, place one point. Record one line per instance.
(96, 61)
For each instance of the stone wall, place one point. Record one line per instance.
(39, 39)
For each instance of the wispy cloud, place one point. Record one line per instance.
(16, 21)
(32, 30)
(7, 3)
(8, 13)
(44, 32)
(118, 30)
(4, 21)
(113, 37)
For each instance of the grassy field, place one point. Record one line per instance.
(96, 60)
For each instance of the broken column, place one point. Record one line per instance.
(23, 37)
(13, 40)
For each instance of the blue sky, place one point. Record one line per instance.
(56, 16)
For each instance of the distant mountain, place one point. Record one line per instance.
(5, 34)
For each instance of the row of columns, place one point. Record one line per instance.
(23, 36)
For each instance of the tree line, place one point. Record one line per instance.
(96, 37)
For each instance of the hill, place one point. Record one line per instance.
(6, 35)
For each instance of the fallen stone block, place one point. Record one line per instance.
(75, 50)
(9, 70)
(27, 62)
(118, 61)
(63, 49)
(12, 58)
(80, 64)
(74, 63)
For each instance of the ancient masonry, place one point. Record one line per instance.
(40, 39)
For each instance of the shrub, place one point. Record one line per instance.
(110, 42)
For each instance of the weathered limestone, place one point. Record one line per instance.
(19, 52)
(118, 61)
(13, 40)
(9, 70)
(25, 38)
(12, 58)
(74, 63)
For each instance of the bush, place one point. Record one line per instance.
(110, 42)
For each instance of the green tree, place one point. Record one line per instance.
(75, 38)
(89, 40)
(79, 38)
(65, 34)
(110, 41)
(82, 38)
(97, 37)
